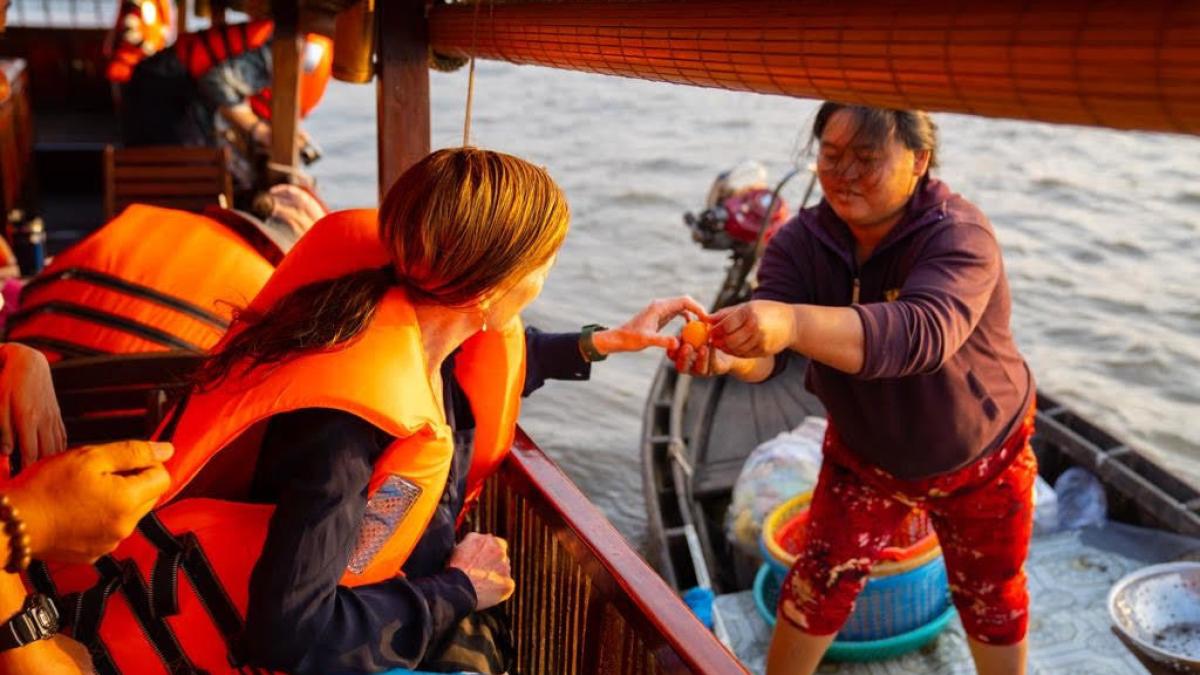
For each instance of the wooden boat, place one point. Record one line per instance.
(588, 604)
(586, 601)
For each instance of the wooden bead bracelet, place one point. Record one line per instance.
(19, 553)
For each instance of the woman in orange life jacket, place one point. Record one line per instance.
(470, 236)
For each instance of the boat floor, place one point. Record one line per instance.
(1070, 574)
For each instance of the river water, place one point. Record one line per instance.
(1100, 230)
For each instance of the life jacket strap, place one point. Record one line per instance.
(185, 552)
(126, 287)
(161, 637)
(66, 348)
(105, 319)
(84, 611)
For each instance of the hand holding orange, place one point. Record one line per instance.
(695, 334)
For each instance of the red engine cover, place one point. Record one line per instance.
(748, 211)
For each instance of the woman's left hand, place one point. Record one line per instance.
(755, 328)
(642, 330)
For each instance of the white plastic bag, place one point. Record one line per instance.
(1081, 500)
(775, 471)
(1045, 508)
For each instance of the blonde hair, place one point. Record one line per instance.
(458, 224)
(465, 221)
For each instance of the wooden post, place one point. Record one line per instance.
(402, 93)
(287, 46)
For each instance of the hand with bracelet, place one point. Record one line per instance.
(641, 331)
(73, 507)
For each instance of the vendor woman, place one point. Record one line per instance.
(893, 286)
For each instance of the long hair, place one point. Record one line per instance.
(458, 224)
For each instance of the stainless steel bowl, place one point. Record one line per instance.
(1158, 609)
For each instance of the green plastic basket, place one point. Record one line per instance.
(766, 597)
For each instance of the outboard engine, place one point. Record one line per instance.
(736, 211)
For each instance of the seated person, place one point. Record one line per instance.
(217, 76)
(350, 418)
(73, 507)
(155, 279)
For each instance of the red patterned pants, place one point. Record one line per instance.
(983, 516)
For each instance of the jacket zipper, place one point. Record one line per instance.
(854, 293)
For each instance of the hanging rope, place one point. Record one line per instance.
(471, 80)
(470, 101)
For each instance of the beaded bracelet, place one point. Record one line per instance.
(19, 554)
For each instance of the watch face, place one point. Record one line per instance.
(43, 618)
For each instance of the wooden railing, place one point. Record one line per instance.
(585, 602)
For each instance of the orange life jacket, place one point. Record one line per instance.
(143, 29)
(152, 279)
(316, 67)
(200, 51)
(138, 591)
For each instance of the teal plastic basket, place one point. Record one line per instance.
(766, 598)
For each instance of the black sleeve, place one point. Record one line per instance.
(552, 356)
(299, 618)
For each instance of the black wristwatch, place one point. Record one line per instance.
(587, 347)
(37, 620)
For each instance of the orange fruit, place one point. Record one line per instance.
(695, 333)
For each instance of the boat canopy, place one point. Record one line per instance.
(1119, 65)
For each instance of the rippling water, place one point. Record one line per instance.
(1100, 229)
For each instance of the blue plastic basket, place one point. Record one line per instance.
(887, 607)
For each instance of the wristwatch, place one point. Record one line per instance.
(587, 347)
(37, 620)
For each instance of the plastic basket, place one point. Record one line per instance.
(891, 605)
(766, 597)
(914, 541)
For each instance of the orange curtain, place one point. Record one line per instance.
(1121, 64)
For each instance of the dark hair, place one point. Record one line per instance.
(913, 128)
(458, 224)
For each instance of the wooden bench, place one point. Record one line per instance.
(171, 176)
(109, 398)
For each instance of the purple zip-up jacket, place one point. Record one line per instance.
(942, 382)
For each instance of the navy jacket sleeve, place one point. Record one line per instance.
(299, 618)
(552, 356)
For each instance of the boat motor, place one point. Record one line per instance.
(736, 211)
(740, 215)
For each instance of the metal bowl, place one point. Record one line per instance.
(1158, 609)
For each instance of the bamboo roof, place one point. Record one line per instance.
(1115, 64)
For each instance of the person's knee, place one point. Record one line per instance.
(818, 593)
(994, 607)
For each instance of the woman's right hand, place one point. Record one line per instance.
(484, 559)
(705, 361)
(80, 504)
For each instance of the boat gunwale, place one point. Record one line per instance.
(630, 580)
